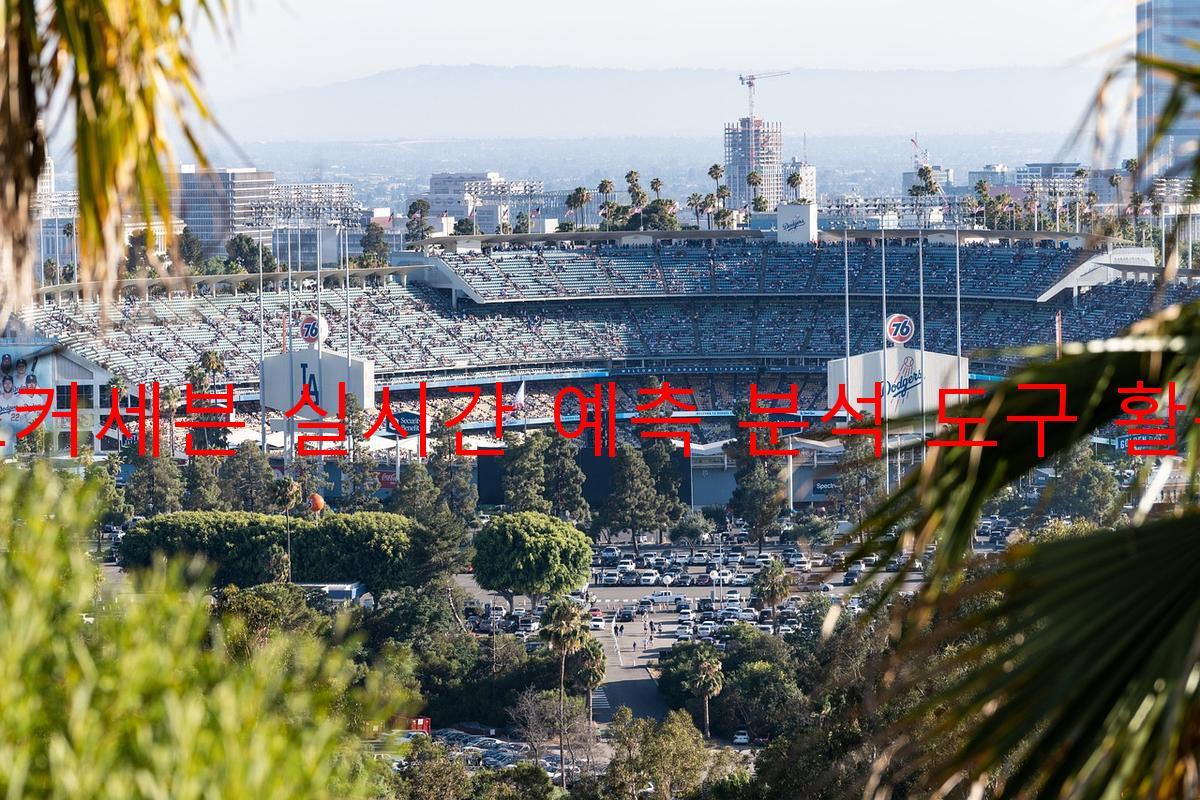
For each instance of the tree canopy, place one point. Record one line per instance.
(532, 554)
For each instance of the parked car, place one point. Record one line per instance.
(741, 737)
(597, 624)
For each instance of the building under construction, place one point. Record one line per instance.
(754, 145)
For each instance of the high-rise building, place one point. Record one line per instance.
(217, 204)
(807, 190)
(1165, 29)
(754, 145)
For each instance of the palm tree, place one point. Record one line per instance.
(211, 361)
(1067, 689)
(591, 675)
(131, 81)
(710, 205)
(170, 400)
(1137, 202)
(754, 181)
(195, 376)
(656, 186)
(563, 629)
(120, 382)
(716, 172)
(706, 683)
(774, 584)
(606, 189)
(723, 194)
(585, 200)
(793, 181)
(632, 177)
(695, 202)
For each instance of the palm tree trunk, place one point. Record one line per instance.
(707, 732)
(591, 726)
(562, 719)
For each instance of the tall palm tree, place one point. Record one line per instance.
(1067, 689)
(585, 201)
(793, 181)
(120, 382)
(710, 206)
(723, 194)
(606, 189)
(1137, 201)
(754, 181)
(774, 584)
(632, 178)
(706, 683)
(195, 376)
(656, 186)
(716, 172)
(170, 400)
(695, 202)
(591, 675)
(127, 72)
(212, 362)
(564, 630)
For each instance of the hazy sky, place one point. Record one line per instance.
(283, 44)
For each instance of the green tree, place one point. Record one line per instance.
(464, 226)
(794, 181)
(375, 246)
(524, 472)
(111, 508)
(695, 202)
(267, 725)
(266, 610)
(706, 683)
(589, 674)
(243, 255)
(418, 213)
(860, 477)
(564, 481)
(1084, 488)
(247, 481)
(716, 172)
(633, 501)
(531, 554)
(440, 536)
(692, 529)
(758, 498)
(564, 630)
(656, 186)
(201, 484)
(773, 583)
(155, 485)
(191, 251)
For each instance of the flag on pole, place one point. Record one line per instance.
(518, 404)
(1058, 334)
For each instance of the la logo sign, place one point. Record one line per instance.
(900, 328)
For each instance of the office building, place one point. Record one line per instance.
(1165, 30)
(754, 145)
(217, 204)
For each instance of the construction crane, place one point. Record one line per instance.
(749, 81)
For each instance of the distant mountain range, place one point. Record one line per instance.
(486, 102)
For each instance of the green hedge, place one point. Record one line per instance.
(246, 549)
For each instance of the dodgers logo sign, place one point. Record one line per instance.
(900, 328)
(908, 378)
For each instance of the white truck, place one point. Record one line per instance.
(665, 597)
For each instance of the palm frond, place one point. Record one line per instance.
(126, 71)
(1085, 682)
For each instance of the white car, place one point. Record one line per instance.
(723, 577)
(706, 628)
(597, 623)
(742, 579)
(699, 558)
(741, 737)
(734, 595)
(685, 615)
(648, 577)
(625, 565)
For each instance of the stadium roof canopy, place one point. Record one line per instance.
(453, 243)
(976, 236)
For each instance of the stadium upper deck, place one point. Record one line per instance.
(752, 268)
(777, 307)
